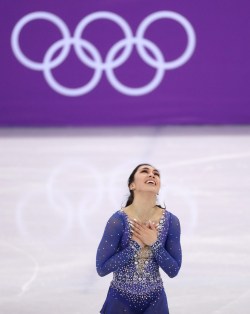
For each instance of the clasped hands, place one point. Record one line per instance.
(144, 234)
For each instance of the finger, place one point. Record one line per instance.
(135, 229)
(137, 236)
(151, 225)
(141, 226)
(137, 223)
(154, 226)
(138, 240)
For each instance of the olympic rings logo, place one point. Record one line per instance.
(110, 63)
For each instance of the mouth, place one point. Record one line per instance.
(150, 182)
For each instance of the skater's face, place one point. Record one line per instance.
(147, 179)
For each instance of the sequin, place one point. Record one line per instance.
(137, 284)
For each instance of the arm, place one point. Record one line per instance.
(109, 258)
(169, 256)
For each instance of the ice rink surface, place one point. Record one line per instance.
(59, 187)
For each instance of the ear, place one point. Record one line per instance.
(132, 187)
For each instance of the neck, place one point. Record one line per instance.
(143, 206)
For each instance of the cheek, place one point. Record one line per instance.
(159, 185)
(139, 178)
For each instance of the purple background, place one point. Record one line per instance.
(212, 87)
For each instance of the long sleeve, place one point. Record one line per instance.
(169, 256)
(109, 258)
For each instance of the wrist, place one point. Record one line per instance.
(153, 242)
(155, 245)
(135, 245)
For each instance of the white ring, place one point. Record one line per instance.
(16, 33)
(138, 91)
(110, 63)
(168, 65)
(109, 16)
(66, 90)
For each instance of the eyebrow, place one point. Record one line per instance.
(155, 170)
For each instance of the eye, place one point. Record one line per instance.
(157, 174)
(144, 170)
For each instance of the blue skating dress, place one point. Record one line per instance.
(137, 286)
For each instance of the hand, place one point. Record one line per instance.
(138, 241)
(147, 234)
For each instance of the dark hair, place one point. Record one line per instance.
(131, 180)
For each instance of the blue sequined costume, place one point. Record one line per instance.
(137, 286)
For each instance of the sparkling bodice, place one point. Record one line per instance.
(141, 274)
(136, 277)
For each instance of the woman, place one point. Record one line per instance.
(137, 240)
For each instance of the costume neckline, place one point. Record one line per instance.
(159, 222)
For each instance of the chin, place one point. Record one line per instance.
(152, 190)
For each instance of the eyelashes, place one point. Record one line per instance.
(155, 173)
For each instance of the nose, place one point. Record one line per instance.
(152, 175)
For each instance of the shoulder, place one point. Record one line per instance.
(117, 215)
(116, 218)
(173, 219)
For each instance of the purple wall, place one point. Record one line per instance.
(189, 65)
